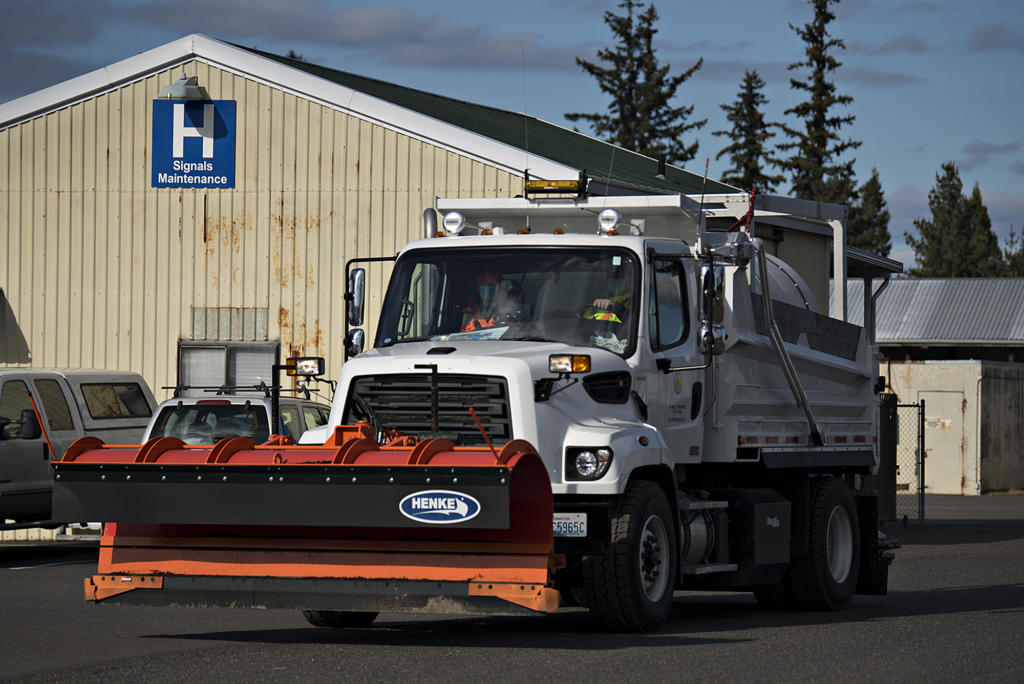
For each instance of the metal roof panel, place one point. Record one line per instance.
(945, 310)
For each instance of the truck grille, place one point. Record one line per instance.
(403, 403)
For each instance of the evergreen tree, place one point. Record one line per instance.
(814, 161)
(1013, 256)
(868, 223)
(749, 134)
(639, 117)
(958, 241)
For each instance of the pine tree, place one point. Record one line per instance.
(958, 241)
(749, 134)
(868, 224)
(639, 117)
(1013, 256)
(814, 161)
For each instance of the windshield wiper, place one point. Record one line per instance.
(422, 338)
(532, 338)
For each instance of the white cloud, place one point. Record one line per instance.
(995, 38)
(905, 42)
(979, 153)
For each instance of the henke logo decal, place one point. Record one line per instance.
(439, 507)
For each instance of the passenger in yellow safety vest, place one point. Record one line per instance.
(613, 309)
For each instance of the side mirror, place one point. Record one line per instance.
(712, 287)
(712, 335)
(29, 425)
(356, 296)
(712, 339)
(353, 343)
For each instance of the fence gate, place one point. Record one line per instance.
(910, 455)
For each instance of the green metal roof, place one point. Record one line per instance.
(600, 160)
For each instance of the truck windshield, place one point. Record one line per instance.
(581, 296)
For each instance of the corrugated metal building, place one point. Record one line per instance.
(114, 258)
(958, 344)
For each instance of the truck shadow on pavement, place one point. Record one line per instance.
(950, 532)
(693, 621)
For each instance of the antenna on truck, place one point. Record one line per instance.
(700, 210)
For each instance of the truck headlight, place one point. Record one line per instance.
(569, 363)
(587, 463)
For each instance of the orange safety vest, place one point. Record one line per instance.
(475, 321)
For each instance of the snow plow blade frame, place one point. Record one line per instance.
(278, 526)
(384, 596)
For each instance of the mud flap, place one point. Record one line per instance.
(876, 550)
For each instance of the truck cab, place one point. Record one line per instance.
(566, 356)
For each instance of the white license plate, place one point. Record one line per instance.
(570, 524)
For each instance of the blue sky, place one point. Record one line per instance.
(932, 80)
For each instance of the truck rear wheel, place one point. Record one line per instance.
(826, 576)
(339, 618)
(631, 587)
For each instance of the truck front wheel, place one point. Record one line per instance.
(631, 587)
(826, 576)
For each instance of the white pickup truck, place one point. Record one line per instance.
(42, 412)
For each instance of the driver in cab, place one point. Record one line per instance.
(497, 302)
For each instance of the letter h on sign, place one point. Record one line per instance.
(181, 131)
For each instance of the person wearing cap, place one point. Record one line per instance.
(496, 301)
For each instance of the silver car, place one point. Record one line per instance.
(207, 420)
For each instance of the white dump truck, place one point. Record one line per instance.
(570, 400)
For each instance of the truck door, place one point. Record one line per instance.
(25, 488)
(674, 397)
(62, 425)
(26, 480)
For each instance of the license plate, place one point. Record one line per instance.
(570, 524)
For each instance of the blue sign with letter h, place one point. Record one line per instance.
(193, 143)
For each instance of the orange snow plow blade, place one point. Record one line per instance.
(348, 525)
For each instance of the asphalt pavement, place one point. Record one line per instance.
(953, 614)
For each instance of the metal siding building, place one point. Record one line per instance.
(114, 272)
(102, 269)
(957, 344)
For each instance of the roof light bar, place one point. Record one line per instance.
(557, 187)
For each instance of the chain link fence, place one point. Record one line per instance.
(910, 463)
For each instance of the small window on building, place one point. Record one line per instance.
(115, 400)
(58, 415)
(224, 364)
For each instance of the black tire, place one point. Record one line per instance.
(339, 618)
(631, 588)
(826, 576)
